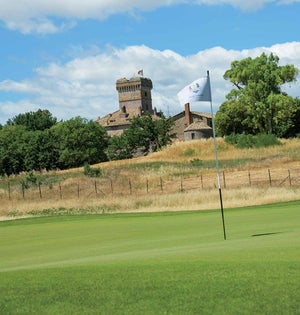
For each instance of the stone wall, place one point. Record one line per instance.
(135, 93)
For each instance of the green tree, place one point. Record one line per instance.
(40, 150)
(294, 129)
(257, 104)
(39, 120)
(119, 148)
(164, 131)
(144, 135)
(66, 144)
(24, 150)
(12, 150)
(79, 141)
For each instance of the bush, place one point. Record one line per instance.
(246, 141)
(242, 141)
(189, 152)
(31, 178)
(266, 140)
(197, 163)
(91, 172)
(232, 138)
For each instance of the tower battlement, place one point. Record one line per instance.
(135, 93)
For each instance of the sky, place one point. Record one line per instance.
(66, 56)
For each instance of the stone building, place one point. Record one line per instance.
(135, 100)
(189, 125)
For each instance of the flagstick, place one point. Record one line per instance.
(217, 162)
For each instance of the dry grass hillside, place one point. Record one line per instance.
(180, 177)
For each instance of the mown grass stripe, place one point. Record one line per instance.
(174, 263)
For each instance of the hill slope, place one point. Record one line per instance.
(180, 177)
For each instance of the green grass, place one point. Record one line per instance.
(196, 163)
(184, 167)
(166, 263)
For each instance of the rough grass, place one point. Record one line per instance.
(179, 201)
(182, 161)
(163, 263)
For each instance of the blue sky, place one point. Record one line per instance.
(65, 56)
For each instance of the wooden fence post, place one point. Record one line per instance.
(60, 192)
(290, 179)
(95, 184)
(147, 185)
(40, 190)
(8, 188)
(224, 181)
(201, 178)
(111, 186)
(270, 178)
(23, 189)
(161, 184)
(249, 176)
(181, 183)
(130, 186)
(78, 190)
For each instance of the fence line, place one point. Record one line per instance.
(88, 188)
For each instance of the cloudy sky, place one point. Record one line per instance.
(65, 56)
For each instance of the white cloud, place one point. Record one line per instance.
(86, 86)
(11, 109)
(36, 16)
(288, 1)
(241, 4)
(38, 26)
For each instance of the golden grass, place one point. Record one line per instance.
(179, 201)
(204, 150)
(179, 192)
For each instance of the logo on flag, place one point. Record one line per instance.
(194, 88)
(197, 91)
(141, 72)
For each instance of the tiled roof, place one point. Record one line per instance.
(202, 114)
(198, 125)
(119, 118)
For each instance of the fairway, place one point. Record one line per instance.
(162, 263)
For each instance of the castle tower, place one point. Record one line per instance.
(135, 94)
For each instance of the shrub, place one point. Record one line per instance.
(266, 140)
(197, 162)
(242, 141)
(91, 172)
(31, 178)
(189, 152)
(232, 138)
(245, 141)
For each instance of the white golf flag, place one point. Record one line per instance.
(197, 91)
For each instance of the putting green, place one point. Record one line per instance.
(175, 263)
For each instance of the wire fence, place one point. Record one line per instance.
(97, 188)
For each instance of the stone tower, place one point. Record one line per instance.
(135, 94)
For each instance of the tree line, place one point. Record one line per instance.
(36, 141)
